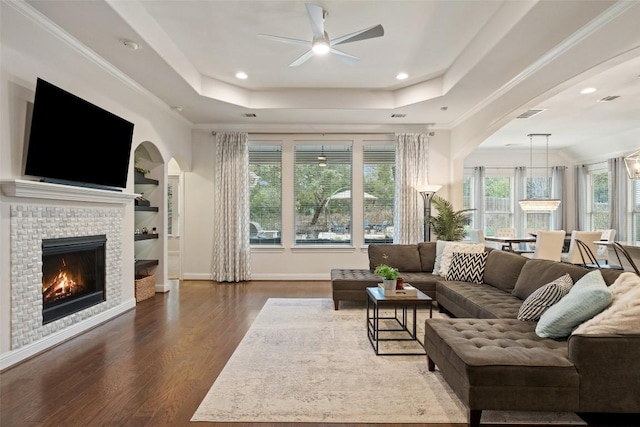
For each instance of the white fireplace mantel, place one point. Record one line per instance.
(46, 190)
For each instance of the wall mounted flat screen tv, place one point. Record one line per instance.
(75, 142)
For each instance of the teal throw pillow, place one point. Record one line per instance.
(588, 297)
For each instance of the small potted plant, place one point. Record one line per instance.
(389, 275)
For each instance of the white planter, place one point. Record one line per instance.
(389, 284)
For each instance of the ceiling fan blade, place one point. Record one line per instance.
(304, 58)
(297, 42)
(367, 33)
(349, 59)
(316, 19)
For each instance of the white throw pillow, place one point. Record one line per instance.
(623, 315)
(440, 245)
(451, 247)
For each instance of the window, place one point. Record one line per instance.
(265, 194)
(599, 212)
(498, 203)
(322, 193)
(379, 193)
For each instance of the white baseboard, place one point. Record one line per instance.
(267, 276)
(16, 356)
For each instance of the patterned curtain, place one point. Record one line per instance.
(231, 251)
(618, 184)
(478, 198)
(581, 197)
(558, 191)
(412, 159)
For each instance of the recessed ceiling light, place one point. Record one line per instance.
(130, 44)
(402, 76)
(588, 90)
(241, 75)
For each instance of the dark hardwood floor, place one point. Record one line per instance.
(151, 366)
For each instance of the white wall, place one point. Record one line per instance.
(31, 48)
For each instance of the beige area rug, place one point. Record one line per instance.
(302, 361)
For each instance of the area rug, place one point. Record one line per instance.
(302, 361)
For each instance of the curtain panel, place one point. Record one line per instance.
(231, 250)
(618, 190)
(558, 191)
(412, 159)
(519, 193)
(582, 177)
(478, 198)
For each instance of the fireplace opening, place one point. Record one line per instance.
(73, 275)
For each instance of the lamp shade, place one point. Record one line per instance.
(632, 162)
(539, 204)
(429, 188)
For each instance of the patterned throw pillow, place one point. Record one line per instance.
(588, 297)
(544, 297)
(451, 247)
(467, 267)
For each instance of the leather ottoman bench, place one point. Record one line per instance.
(501, 364)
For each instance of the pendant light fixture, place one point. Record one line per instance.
(632, 162)
(539, 204)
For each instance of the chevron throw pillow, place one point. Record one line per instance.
(544, 297)
(467, 267)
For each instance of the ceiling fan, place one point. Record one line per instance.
(321, 44)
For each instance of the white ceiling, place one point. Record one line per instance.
(475, 61)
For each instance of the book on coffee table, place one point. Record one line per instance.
(407, 291)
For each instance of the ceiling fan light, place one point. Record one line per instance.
(320, 47)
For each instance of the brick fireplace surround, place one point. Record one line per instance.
(46, 211)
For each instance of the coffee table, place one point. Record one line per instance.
(402, 306)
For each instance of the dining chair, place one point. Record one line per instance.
(608, 235)
(574, 255)
(548, 245)
(506, 232)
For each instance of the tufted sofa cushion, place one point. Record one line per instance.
(493, 363)
(464, 299)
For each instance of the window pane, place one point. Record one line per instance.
(538, 187)
(498, 204)
(379, 188)
(322, 194)
(265, 194)
(599, 200)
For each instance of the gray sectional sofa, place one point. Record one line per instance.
(492, 360)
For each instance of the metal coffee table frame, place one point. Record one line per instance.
(402, 308)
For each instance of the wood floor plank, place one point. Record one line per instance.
(151, 366)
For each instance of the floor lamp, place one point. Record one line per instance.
(427, 192)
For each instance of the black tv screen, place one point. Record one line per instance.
(73, 141)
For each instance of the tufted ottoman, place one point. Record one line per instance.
(351, 284)
(501, 364)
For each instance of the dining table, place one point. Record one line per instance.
(507, 242)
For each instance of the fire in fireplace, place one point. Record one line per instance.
(73, 275)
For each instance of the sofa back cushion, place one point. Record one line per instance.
(402, 257)
(427, 251)
(539, 272)
(503, 269)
